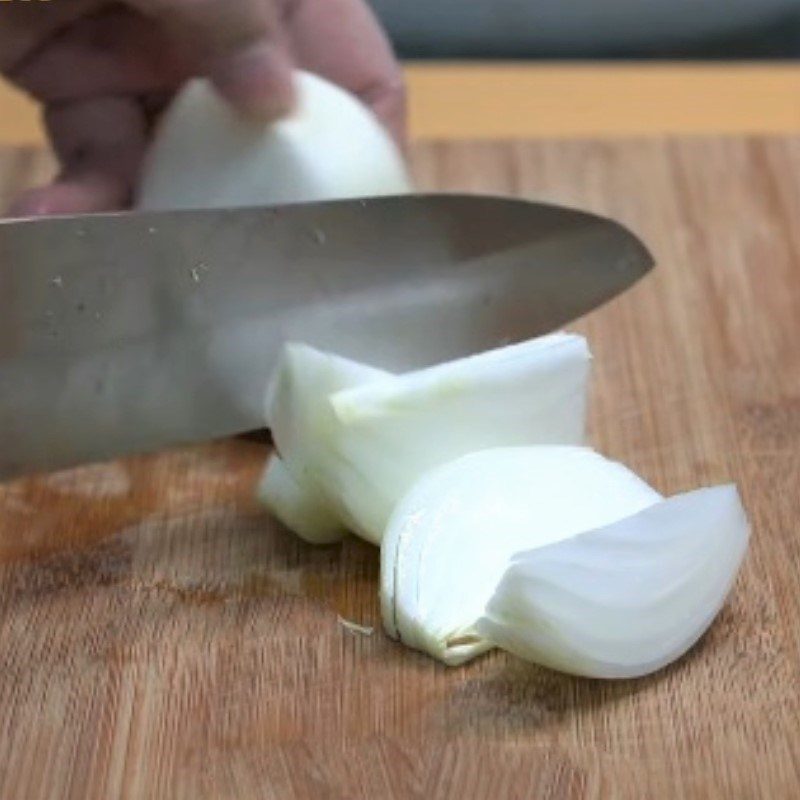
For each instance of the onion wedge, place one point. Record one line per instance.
(360, 437)
(303, 424)
(627, 599)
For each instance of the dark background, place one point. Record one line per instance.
(611, 29)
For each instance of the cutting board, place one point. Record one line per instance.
(162, 637)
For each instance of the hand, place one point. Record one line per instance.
(105, 70)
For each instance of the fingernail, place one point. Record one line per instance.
(256, 80)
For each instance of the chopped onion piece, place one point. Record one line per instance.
(297, 506)
(626, 599)
(451, 538)
(303, 424)
(362, 437)
(395, 430)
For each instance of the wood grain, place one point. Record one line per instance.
(468, 100)
(160, 636)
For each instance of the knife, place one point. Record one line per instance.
(128, 332)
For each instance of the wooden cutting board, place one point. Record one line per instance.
(160, 636)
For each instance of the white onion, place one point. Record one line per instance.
(205, 155)
(627, 599)
(362, 448)
(550, 551)
(297, 505)
(451, 538)
(303, 423)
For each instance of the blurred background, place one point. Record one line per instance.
(593, 28)
(499, 69)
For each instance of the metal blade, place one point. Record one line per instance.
(132, 331)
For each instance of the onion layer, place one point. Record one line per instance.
(453, 535)
(626, 599)
(361, 437)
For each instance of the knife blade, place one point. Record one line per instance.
(128, 332)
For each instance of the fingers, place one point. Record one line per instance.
(114, 51)
(104, 78)
(100, 143)
(240, 45)
(26, 25)
(342, 41)
(101, 81)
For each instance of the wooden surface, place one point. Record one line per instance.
(160, 636)
(542, 99)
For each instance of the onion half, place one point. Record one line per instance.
(205, 155)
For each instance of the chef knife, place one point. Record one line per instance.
(128, 332)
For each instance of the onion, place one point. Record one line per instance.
(548, 550)
(452, 536)
(613, 580)
(297, 505)
(361, 437)
(303, 422)
(205, 155)
(626, 599)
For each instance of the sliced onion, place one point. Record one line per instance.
(394, 431)
(303, 425)
(452, 537)
(361, 437)
(626, 599)
(298, 506)
(550, 551)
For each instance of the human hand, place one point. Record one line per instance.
(105, 70)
